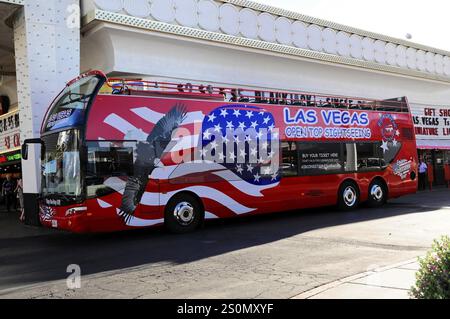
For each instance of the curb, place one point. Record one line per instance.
(318, 290)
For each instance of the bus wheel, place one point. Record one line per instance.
(348, 196)
(183, 214)
(377, 194)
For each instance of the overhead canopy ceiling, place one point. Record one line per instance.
(7, 60)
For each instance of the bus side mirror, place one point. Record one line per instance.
(25, 152)
(32, 141)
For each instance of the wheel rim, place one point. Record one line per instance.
(377, 192)
(184, 213)
(350, 196)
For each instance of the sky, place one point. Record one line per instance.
(427, 21)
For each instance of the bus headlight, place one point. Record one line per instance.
(75, 210)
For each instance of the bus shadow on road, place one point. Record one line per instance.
(45, 258)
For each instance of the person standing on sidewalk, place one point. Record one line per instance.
(8, 192)
(19, 191)
(423, 169)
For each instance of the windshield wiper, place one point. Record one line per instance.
(84, 98)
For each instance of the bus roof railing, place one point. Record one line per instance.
(248, 95)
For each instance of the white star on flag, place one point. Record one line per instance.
(207, 135)
(203, 152)
(249, 114)
(224, 113)
(237, 113)
(217, 128)
(385, 147)
(211, 118)
(213, 145)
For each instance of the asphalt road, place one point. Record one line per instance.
(274, 256)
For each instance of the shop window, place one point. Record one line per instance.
(447, 157)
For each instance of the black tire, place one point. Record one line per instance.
(183, 214)
(348, 196)
(377, 194)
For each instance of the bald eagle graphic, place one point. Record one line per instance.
(147, 155)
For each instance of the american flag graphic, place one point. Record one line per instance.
(245, 135)
(230, 188)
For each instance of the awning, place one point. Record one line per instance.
(433, 144)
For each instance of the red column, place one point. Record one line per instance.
(447, 174)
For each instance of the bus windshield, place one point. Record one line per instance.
(61, 165)
(70, 107)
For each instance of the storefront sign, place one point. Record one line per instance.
(10, 158)
(9, 132)
(431, 122)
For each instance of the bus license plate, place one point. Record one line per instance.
(54, 223)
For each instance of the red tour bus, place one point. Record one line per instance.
(126, 154)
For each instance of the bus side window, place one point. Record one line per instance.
(369, 156)
(289, 164)
(108, 162)
(318, 158)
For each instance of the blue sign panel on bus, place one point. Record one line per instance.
(65, 118)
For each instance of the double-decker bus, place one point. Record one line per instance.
(125, 154)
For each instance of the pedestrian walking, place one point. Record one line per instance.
(8, 188)
(19, 192)
(423, 170)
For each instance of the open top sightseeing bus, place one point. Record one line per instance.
(125, 154)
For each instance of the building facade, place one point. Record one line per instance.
(235, 43)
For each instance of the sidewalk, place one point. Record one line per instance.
(392, 282)
(11, 227)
